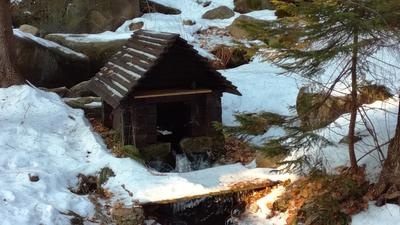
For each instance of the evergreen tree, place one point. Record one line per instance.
(341, 34)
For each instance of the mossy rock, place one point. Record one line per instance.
(132, 152)
(246, 27)
(246, 6)
(221, 12)
(148, 6)
(156, 151)
(197, 144)
(313, 117)
(80, 90)
(74, 16)
(99, 52)
(238, 55)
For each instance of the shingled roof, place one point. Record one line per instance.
(137, 60)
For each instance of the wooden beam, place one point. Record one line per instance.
(169, 92)
(234, 188)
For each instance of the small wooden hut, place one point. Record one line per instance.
(157, 88)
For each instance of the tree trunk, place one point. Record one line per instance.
(388, 187)
(8, 73)
(354, 101)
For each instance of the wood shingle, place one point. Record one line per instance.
(155, 57)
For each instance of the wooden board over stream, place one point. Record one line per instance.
(149, 187)
(233, 188)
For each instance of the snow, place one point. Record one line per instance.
(44, 137)
(259, 217)
(263, 14)
(263, 89)
(16, 2)
(100, 37)
(49, 44)
(388, 214)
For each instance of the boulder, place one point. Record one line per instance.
(136, 26)
(197, 145)
(246, 27)
(74, 16)
(263, 161)
(92, 106)
(313, 117)
(148, 6)
(29, 29)
(80, 90)
(246, 6)
(99, 50)
(188, 22)
(231, 57)
(222, 12)
(47, 64)
(156, 151)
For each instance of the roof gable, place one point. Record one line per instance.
(141, 58)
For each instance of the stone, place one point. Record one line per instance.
(47, 65)
(136, 26)
(197, 145)
(90, 105)
(80, 90)
(60, 91)
(98, 51)
(237, 56)
(124, 215)
(189, 22)
(222, 12)
(263, 161)
(156, 151)
(334, 106)
(74, 16)
(246, 6)
(246, 27)
(29, 29)
(148, 6)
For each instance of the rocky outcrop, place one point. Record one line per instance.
(315, 113)
(197, 145)
(80, 90)
(221, 12)
(99, 50)
(231, 57)
(29, 29)
(246, 27)
(147, 6)
(74, 16)
(156, 151)
(246, 6)
(48, 64)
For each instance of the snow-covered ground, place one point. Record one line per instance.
(41, 136)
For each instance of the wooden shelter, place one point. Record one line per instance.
(157, 88)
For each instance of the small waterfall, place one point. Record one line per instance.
(187, 163)
(200, 161)
(183, 164)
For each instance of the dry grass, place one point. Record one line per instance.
(322, 199)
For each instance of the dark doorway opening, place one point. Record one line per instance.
(172, 121)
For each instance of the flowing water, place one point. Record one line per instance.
(223, 209)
